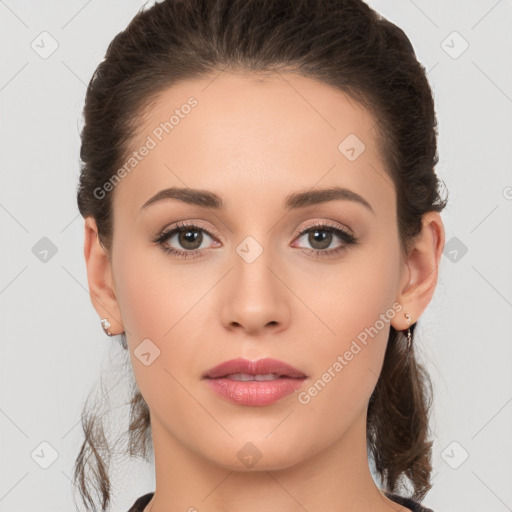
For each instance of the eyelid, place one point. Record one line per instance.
(181, 224)
(326, 223)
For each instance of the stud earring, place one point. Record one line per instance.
(409, 337)
(106, 326)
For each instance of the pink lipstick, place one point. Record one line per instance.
(254, 383)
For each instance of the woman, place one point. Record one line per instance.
(263, 231)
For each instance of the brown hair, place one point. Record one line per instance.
(342, 43)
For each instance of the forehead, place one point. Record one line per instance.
(255, 131)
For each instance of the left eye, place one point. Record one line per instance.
(321, 235)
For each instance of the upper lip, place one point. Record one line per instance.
(259, 367)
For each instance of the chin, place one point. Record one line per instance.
(256, 455)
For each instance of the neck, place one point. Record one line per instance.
(337, 478)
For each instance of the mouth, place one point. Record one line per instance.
(254, 383)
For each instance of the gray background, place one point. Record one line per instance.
(53, 348)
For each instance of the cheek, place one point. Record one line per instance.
(353, 296)
(154, 294)
(159, 343)
(346, 365)
(356, 309)
(171, 305)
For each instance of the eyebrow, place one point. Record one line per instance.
(295, 200)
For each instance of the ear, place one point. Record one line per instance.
(419, 277)
(99, 277)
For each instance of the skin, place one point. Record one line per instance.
(253, 139)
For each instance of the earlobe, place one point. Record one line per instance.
(422, 269)
(100, 278)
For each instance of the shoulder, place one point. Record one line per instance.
(414, 506)
(141, 502)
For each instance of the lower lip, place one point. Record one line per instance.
(253, 392)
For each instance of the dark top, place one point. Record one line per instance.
(139, 505)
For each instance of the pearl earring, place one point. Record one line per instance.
(106, 326)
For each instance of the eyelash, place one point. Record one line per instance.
(346, 237)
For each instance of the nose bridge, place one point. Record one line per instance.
(255, 296)
(252, 264)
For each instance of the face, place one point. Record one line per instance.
(273, 273)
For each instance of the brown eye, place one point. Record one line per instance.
(320, 237)
(187, 243)
(190, 238)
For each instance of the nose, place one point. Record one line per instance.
(255, 298)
